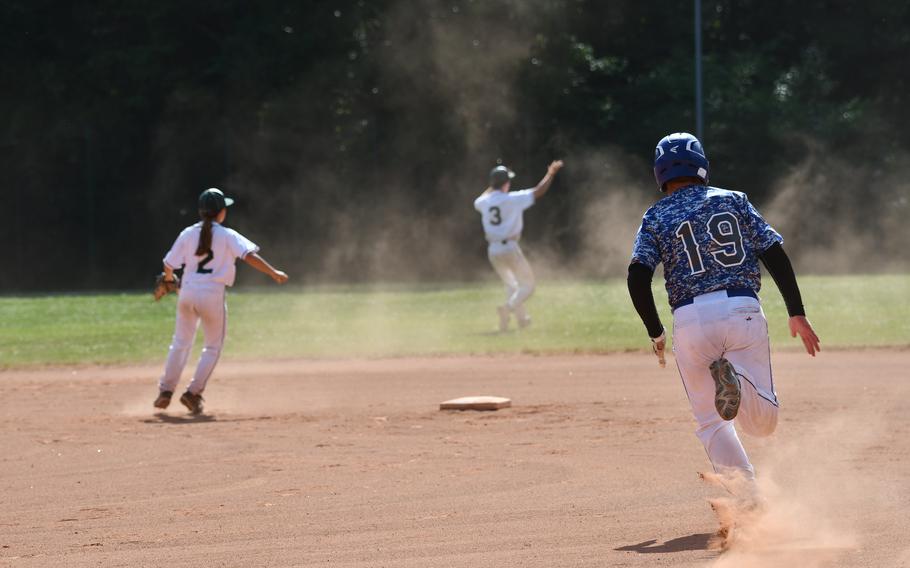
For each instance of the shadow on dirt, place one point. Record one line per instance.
(162, 418)
(698, 541)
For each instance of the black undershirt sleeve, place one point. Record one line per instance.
(778, 264)
(639, 281)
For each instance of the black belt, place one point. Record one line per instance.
(731, 293)
(505, 242)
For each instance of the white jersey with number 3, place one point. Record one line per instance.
(216, 267)
(502, 213)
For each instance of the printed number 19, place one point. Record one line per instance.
(684, 232)
(723, 228)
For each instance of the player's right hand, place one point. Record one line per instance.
(280, 277)
(799, 325)
(554, 167)
(659, 344)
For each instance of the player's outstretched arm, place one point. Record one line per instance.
(799, 325)
(260, 264)
(779, 266)
(544, 185)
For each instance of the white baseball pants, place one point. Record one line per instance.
(513, 268)
(195, 304)
(716, 326)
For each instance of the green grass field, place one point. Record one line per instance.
(390, 321)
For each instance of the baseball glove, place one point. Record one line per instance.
(164, 287)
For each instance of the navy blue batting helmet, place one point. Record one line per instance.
(679, 155)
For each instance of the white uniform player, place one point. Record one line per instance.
(207, 252)
(502, 216)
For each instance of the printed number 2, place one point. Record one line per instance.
(495, 216)
(724, 230)
(201, 269)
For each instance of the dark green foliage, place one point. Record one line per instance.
(354, 132)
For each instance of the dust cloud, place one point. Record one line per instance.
(809, 490)
(412, 225)
(613, 191)
(835, 218)
(843, 218)
(415, 225)
(471, 61)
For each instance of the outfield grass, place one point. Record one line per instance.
(363, 321)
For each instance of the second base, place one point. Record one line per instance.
(476, 403)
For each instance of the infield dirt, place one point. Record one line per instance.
(349, 463)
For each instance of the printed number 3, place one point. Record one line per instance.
(201, 269)
(724, 230)
(496, 216)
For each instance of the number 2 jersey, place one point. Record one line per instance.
(216, 267)
(502, 213)
(707, 238)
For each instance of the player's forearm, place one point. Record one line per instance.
(639, 282)
(543, 186)
(260, 264)
(779, 267)
(168, 272)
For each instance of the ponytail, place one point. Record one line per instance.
(205, 237)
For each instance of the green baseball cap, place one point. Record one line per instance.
(500, 175)
(213, 200)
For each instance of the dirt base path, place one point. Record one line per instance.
(348, 463)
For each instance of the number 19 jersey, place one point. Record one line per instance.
(707, 238)
(217, 267)
(502, 213)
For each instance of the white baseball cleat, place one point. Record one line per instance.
(524, 322)
(727, 390)
(504, 316)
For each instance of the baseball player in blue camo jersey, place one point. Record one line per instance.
(710, 241)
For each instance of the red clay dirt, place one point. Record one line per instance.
(349, 463)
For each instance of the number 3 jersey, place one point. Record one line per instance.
(707, 238)
(216, 267)
(502, 213)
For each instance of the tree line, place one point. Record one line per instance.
(355, 134)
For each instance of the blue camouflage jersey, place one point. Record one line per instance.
(707, 238)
